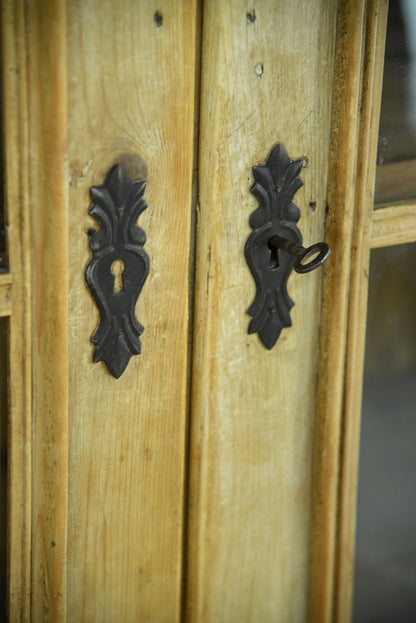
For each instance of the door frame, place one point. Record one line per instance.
(353, 229)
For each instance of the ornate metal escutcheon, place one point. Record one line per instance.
(274, 247)
(118, 269)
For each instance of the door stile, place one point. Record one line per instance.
(131, 71)
(36, 177)
(372, 79)
(360, 41)
(341, 197)
(252, 410)
(45, 25)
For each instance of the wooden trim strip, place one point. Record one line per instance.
(376, 20)
(341, 201)
(45, 30)
(394, 224)
(350, 198)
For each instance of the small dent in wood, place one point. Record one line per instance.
(258, 70)
(158, 19)
(53, 543)
(251, 16)
(77, 172)
(312, 206)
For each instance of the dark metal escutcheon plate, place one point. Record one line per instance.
(275, 184)
(117, 206)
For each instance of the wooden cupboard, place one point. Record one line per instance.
(215, 480)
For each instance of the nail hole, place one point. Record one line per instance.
(90, 232)
(251, 16)
(158, 18)
(117, 269)
(312, 206)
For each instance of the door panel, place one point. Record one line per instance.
(106, 83)
(131, 101)
(264, 81)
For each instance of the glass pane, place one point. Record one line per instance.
(385, 573)
(3, 466)
(396, 157)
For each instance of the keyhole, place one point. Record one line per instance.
(274, 259)
(117, 269)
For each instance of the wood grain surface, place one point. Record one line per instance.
(45, 25)
(341, 197)
(356, 101)
(264, 80)
(131, 90)
(98, 526)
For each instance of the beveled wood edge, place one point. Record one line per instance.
(35, 171)
(394, 224)
(357, 313)
(47, 83)
(336, 277)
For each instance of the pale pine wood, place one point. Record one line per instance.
(45, 26)
(253, 409)
(395, 224)
(5, 294)
(376, 22)
(16, 195)
(131, 101)
(341, 201)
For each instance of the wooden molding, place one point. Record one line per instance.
(373, 61)
(341, 201)
(394, 224)
(45, 30)
(357, 92)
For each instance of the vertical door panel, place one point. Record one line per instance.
(131, 80)
(266, 78)
(88, 85)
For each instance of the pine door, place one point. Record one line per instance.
(200, 484)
